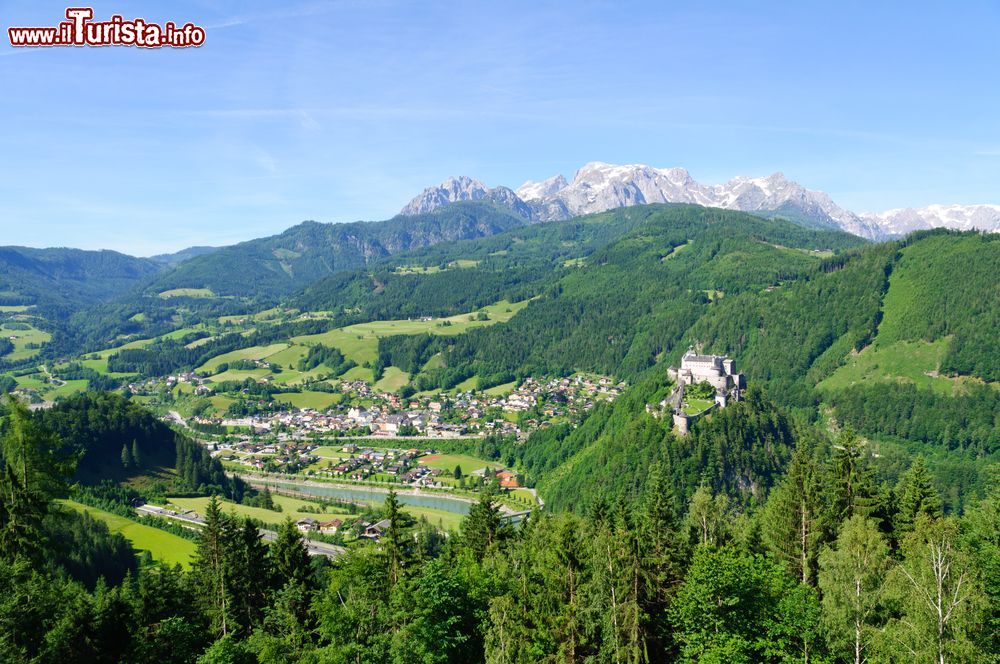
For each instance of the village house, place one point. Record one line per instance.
(306, 525)
(330, 527)
(376, 530)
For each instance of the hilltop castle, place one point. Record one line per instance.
(718, 371)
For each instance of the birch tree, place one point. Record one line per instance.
(852, 575)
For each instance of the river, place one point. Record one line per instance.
(368, 495)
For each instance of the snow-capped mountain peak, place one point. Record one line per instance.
(598, 186)
(900, 221)
(535, 190)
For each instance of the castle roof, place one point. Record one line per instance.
(691, 357)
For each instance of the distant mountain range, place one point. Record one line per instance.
(599, 186)
(68, 278)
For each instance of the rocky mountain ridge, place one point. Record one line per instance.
(599, 186)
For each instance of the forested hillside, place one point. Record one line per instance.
(63, 280)
(645, 576)
(111, 438)
(620, 307)
(271, 267)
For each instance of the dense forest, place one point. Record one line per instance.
(101, 430)
(285, 263)
(830, 565)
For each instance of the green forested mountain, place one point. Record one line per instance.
(278, 265)
(178, 257)
(68, 279)
(204, 283)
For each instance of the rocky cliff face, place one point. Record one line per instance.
(464, 188)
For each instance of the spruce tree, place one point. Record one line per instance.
(126, 458)
(210, 567)
(35, 467)
(136, 456)
(248, 570)
(483, 527)
(395, 543)
(917, 495)
(289, 556)
(851, 482)
(791, 524)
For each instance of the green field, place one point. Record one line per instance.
(240, 375)
(290, 507)
(447, 462)
(21, 338)
(360, 342)
(676, 250)
(468, 384)
(417, 269)
(221, 403)
(289, 357)
(501, 390)
(914, 362)
(359, 373)
(14, 308)
(68, 389)
(315, 400)
(32, 382)
(441, 518)
(187, 292)
(252, 353)
(163, 546)
(524, 495)
(392, 379)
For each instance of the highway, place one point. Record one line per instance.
(314, 548)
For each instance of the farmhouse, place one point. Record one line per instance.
(330, 527)
(306, 525)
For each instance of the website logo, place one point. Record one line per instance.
(81, 30)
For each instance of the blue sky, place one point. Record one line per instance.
(339, 111)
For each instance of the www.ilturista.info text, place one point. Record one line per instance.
(81, 30)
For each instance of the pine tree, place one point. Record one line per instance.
(395, 543)
(126, 458)
(851, 484)
(917, 495)
(483, 527)
(136, 456)
(289, 556)
(210, 567)
(792, 522)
